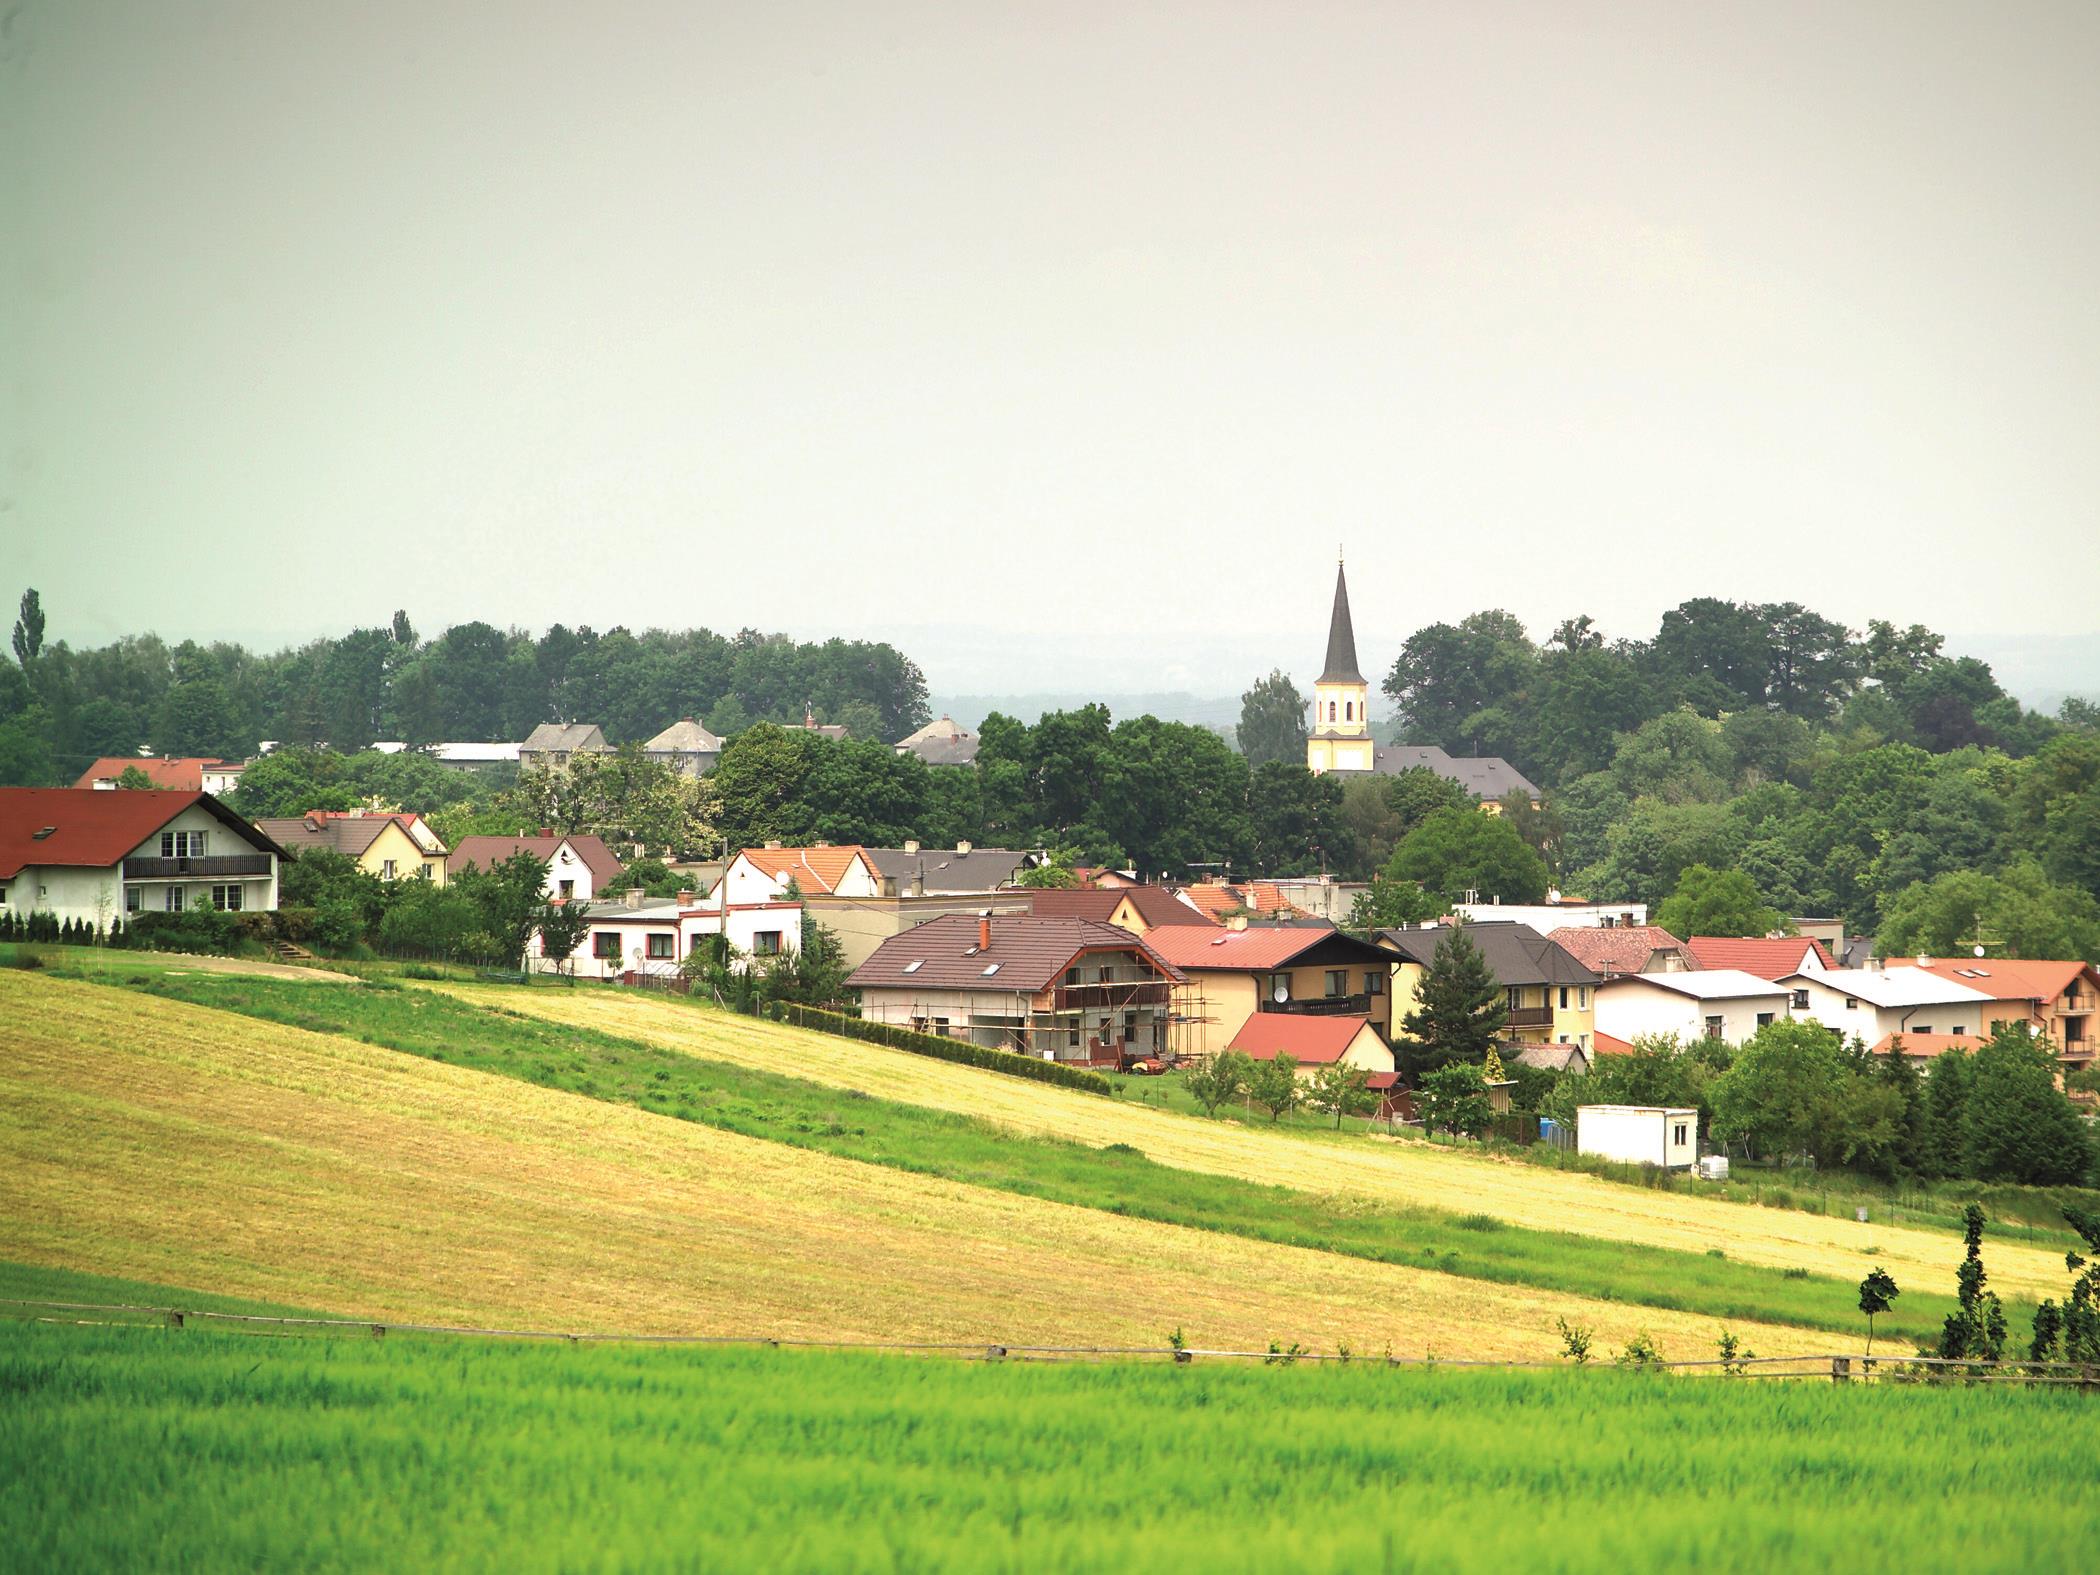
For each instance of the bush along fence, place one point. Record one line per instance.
(959, 1051)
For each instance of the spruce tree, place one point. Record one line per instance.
(1459, 1009)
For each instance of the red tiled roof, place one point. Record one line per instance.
(2005, 978)
(1028, 954)
(92, 828)
(1307, 1038)
(1216, 898)
(1620, 949)
(813, 869)
(1610, 1044)
(185, 774)
(1767, 957)
(1155, 905)
(487, 852)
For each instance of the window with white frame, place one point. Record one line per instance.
(386, 869)
(134, 899)
(182, 844)
(172, 901)
(226, 897)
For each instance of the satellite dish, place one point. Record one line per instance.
(1979, 951)
(1281, 993)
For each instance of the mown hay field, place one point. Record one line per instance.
(158, 1141)
(1388, 1170)
(122, 1449)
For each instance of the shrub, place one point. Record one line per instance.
(961, 1052)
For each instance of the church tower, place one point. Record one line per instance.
(1340, 739)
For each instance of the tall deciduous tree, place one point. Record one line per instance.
(1457, 851)
(1708, 901)
(1272, 721)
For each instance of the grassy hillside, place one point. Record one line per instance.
(159, 1141)
(807, 1114)
(325, 1453)
(1377, 1170)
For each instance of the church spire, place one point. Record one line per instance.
(1341, 637)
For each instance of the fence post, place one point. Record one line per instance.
(1840, 1369)
(174, 1320)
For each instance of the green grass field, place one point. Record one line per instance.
(130, 1448)
(1118, 1179)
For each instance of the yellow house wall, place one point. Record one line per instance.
(1224, 1000)
(408, 856)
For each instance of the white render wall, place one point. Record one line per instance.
(1826, 1005)
(1629, 1007)
(688, 927)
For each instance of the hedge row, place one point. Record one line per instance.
(940, 1048)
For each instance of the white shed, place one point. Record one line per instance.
(1638, 1134)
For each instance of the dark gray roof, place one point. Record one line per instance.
(1484, 776)
(1515, 953)
(565, 738)
(1341, 638)
(947, 871)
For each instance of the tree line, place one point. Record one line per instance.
(62, 708)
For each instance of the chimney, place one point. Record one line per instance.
(984, 930)
(774, 844)
(911, 844)
(685, 898)
(1237, 922)
(546, 831)
(820, 843)
(633, 896)
(962, 847)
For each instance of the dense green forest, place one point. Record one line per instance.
(60, 709)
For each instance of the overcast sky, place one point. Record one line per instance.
(1057, 343)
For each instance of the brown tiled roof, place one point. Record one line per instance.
(1027, 952)
(1155, 905)
(1767, 957)
(349, 835)
(1310, 1039)
(1621, 949)
(487, 852)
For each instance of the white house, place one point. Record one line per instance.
(1639, 1134)
(1872, 1003)
(85, 854)
(820, 870)
(631, 933)
(1699, 1003)
(578, 865)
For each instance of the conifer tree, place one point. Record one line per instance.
(1459, 1009)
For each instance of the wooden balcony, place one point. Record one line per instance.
(1530, 1017)
(215, 866)
(1111, 997)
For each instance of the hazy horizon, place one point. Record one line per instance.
(1057, 346)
